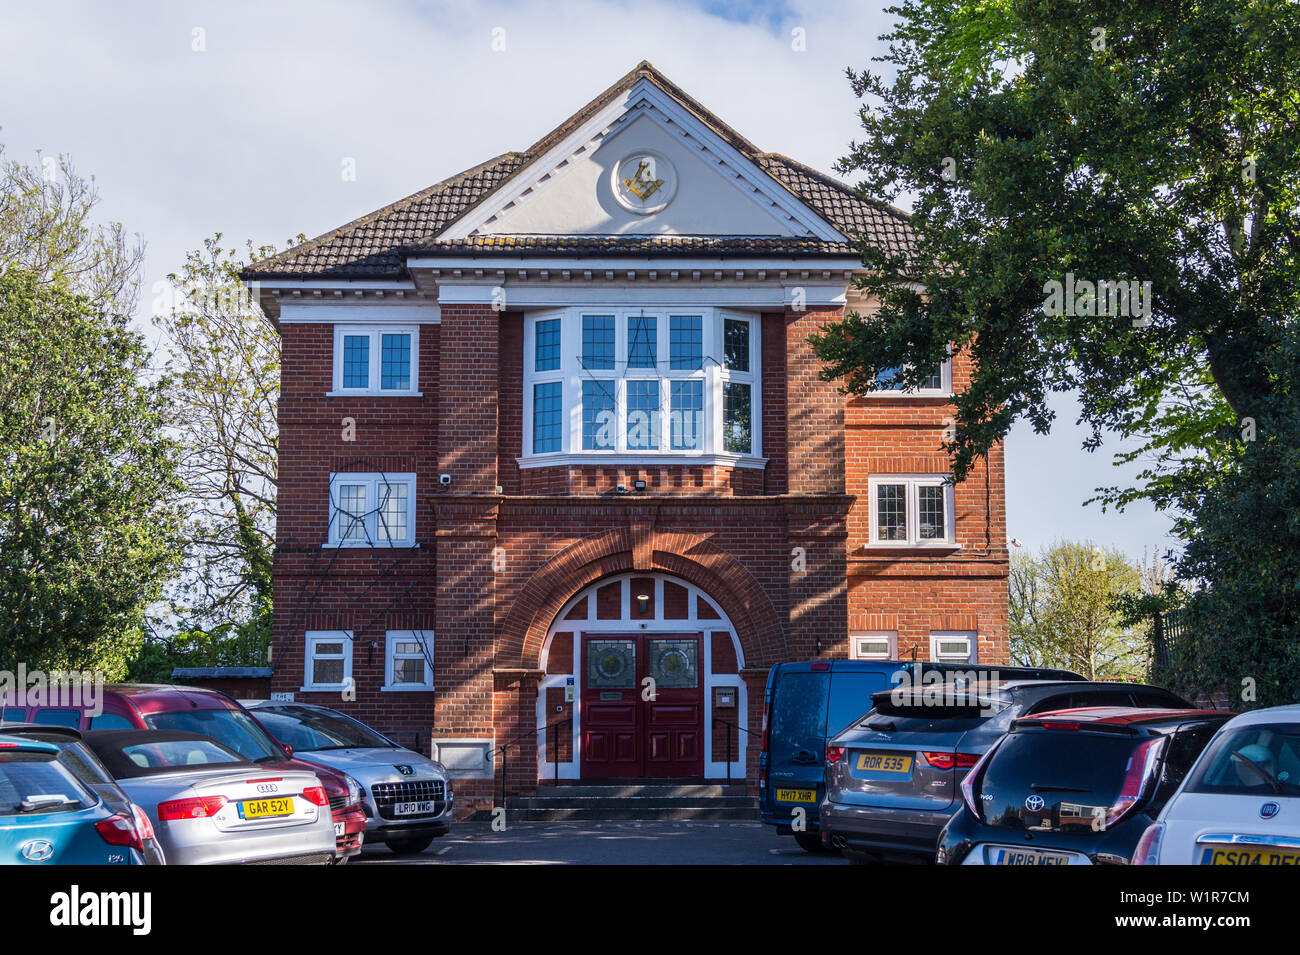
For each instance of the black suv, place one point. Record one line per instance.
(1075, 787)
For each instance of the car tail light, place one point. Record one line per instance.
(316, 796)
(767, 712)
(201, 807)
(1138, 776)
(119, 830)
(949, 760)
(142, 823)
(1148, 847)
(834, 754)
(972, 780)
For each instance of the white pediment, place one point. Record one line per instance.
(643, 166)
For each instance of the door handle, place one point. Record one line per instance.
(804, 757)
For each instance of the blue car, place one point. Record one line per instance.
(808, 702)
(48, 817)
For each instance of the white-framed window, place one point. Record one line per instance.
(376, 359)
(938, 384)
(911, 510)
(953, 646)
(329, 660)
(873, 645)
(408, 660)
(372, 510)
(642, 383)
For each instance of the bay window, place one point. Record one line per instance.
(643, 383)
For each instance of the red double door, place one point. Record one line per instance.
(642, 705)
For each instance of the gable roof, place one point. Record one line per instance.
(375, 246)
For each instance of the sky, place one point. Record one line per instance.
(240, 118)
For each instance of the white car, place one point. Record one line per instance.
(1240, 804)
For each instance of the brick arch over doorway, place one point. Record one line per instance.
(691, 557)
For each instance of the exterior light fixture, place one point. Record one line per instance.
(643, 603)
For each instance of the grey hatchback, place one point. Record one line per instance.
(892, 777)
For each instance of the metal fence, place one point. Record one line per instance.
(1166, 635)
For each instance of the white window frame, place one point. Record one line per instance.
(314, 637)
(943, 391)
(970, 636)
(372, 482)
(425, 639)
(376, 335)
(912, 499)
(889, 636)
(713, 374)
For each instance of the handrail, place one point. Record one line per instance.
(736, 726)
(533, 732)
(504, 750)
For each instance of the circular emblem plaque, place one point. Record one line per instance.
(644, 182)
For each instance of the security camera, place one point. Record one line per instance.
(444, 479)
(622, 489)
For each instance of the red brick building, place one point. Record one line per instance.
(552, 427)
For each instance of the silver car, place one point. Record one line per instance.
(407, 797)
(211, 806)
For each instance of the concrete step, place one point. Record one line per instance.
(631, 801)
(622, 790)
(561, 814)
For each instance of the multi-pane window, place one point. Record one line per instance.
(911, 510)
(597, 415)
(548, 406)
(890, 379)
(953, 646)
(375, 361)
(328, 658)
(873, 645)
(375, 510)
(686, 414)
(598, 383)
(686, 342)
(409, 660)
(642, 341)
(598, 341)
(643, 415)
(548, 345)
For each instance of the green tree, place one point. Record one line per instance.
(87, 524)
(1063, 612)
(1052, 143)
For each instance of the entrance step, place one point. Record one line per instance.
(633, 801)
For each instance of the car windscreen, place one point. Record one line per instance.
(799, 711)
(155, 756)
(232, 728)
(309, 730)
(1260, 760)
(36, 783)
(1075, 776)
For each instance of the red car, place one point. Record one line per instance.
(208, 713)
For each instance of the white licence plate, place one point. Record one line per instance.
(412, 808)
(338, 829)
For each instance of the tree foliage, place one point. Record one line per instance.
(1064, 612)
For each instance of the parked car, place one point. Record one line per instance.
(82, 762)
(892, 777)
(806, 703)
(1074, 787)
(407, 797)
(1240, 804)
(211, 806)
(208, 713)
(48, 816)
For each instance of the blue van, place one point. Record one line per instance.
(807, 703)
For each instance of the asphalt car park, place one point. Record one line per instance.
(685, 842)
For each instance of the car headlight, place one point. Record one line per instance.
(354, 791)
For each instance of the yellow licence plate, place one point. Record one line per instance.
(796, 795)
(885, 763)
(1023, 857)
(1225, 855)
(265, 808)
